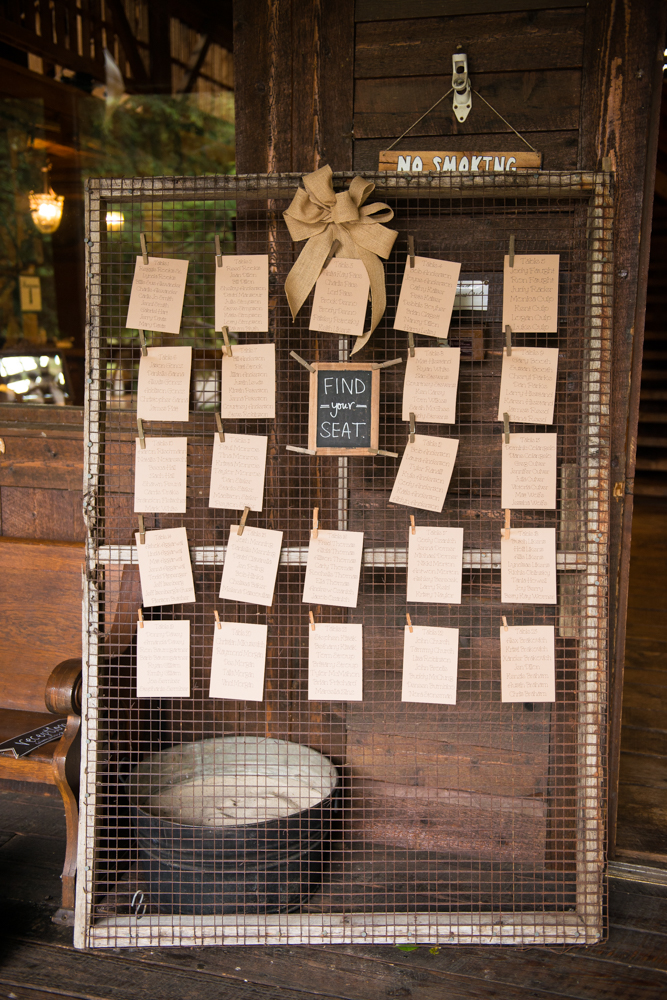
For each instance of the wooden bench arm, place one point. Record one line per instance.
(63, 688)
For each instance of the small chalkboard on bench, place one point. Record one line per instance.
(344, 412)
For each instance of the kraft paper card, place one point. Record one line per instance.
(527, 663)
(335, 663)
(430, 665)
(528, 385)
(160, 475)
(424, 473)
(165, 570)
(242, 293)
(163, 390)
(435, 565)
(156, 299)
(528, 566)
(249, 382)
(163, 659)
(427, 297)
(238, 660)
(333, 568)
(341, 298)
(529, 472)
(237, 472)
(251, 565)
(530, 293)
(431, 381)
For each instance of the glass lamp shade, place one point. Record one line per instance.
(46, 210)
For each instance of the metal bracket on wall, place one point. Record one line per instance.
(462, 100)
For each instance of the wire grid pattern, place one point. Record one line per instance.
(475, 823)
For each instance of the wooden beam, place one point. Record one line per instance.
(620, 108)
(127, 40)
(195, 63)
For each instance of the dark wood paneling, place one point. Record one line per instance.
(46, 462)
(40, 597)
(550, 39)
(621, 92)
(386, 10)
(31, 512)
(537, 101)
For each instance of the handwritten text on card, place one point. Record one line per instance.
(164, 567)
(435, 565)
(332, 571)
(424, 473)
(237, 472)
(529, 472)
(427, 297)
(527, 663)
(249, 382)
(528, 566)
(341, 298)
(242, 293)
(431, 381)
(237, 663)
(160, 475)
(335, 663)
(530, 293)
(528, 385)
(430, 665)
(163, 390)
(251, 565)
(156, 299)
(163, 659)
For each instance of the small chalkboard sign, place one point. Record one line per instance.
(344, 412)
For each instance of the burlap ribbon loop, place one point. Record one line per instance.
(320, 216)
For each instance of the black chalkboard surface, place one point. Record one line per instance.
(344, 408)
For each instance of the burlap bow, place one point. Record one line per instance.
(319, 215)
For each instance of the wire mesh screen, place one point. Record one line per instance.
(475, 822)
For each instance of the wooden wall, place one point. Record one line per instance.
(318, 82)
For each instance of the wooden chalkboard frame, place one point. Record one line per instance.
(340, 366)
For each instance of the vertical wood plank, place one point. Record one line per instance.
(620, 107)
(336, 84)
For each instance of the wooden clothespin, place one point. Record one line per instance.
(221, 430)
(217, 620)
(505, 623)
(305, 364)
(413, 528)
(388, 364)
(244, 518)
(332, 250)
(228, 346)
(144, 248)
(218, 252)
(412, 428)
(411, 250)
(507, 524)
(140, 428)
(142, 530)
(506, 423)
(312, 620)
(411, 344)
(508, 340)
(142, 341)
(409, 620)
(316, 523)
(511, 251)
(386, 454)
(302, 451)
(140, 617)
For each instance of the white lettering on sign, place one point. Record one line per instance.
(437, 161)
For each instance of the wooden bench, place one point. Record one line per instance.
(40, 596)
